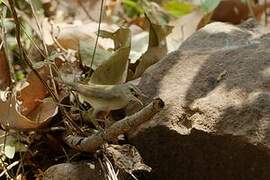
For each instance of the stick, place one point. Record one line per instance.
(92, 143)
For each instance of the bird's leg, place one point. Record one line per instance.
(92, 115)
(107, 121)
(102, 117)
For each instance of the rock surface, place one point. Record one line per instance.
(216, 124)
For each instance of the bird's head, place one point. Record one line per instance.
(136, 92)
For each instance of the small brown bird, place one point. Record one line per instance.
(105, 98)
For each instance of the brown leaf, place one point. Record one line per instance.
(44, 111)
(152, 56)
(114, 70)
(31, 95)
(12, 118)
(127, 157)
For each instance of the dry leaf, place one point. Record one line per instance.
(127, 157)
(155, 13)
(12, 118)
(114, 70)
(31, 95)
(44, 111)
(121, 37)
(152, 56)
(156, 47)
(86, 54)
(69, 36)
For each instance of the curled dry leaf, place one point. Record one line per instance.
(156, 13)
(27, 107)
(114, 70)
(157, 47)
(12, 118)
(127, 157)
(152, 56)
(31, 95)
(44, 111)
(121, 37)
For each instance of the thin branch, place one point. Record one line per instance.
(85, 10)
(98, 34)
(39, 27)
(92, 143)
(5, 49)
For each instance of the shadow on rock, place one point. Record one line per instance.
(200, 156)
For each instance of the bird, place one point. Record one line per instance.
(105, 98)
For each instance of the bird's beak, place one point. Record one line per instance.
(143, 95)
(137, 100)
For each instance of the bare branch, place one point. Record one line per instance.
(92, 143)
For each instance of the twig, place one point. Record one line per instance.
(98, 34)
(92, 143)
(41, 32)
(9, 167)
(85, 10)
(107, 168)
(12, 77)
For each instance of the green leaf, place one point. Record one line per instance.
(9, 151)
(177, 9)
(209, 5)
(132, 8)
(86, 51)
(114, 70)
(20, 75)
(11, 145)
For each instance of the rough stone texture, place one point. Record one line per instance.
(216, 124)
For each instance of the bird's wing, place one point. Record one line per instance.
(96, 91)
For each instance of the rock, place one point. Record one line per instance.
(74, 171)
(216, 124)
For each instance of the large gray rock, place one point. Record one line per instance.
(216, 124)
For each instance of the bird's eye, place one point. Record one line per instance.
(132, 90)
